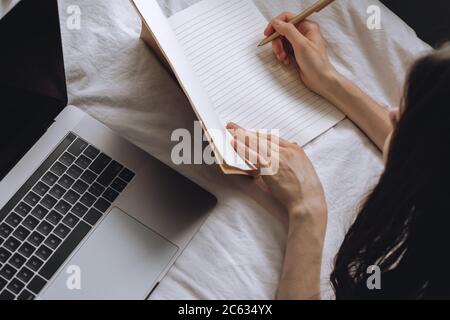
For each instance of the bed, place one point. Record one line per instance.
(238, 252)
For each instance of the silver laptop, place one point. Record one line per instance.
(84, 213)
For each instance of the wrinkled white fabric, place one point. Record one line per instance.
(238, 252)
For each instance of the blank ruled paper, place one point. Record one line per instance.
(247, 84)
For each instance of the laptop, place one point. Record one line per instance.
(84, 213)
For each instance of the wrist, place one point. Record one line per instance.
(314, 211)
(332, 84)
(311, 223)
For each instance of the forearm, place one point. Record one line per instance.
(365, 112)
(300, 278)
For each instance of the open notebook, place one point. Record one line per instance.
(211, 48)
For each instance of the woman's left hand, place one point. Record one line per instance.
(289, 174)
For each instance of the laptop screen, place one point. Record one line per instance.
(32, 79)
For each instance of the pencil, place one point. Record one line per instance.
(318, 6)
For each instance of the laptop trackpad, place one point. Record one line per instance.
(122, 259)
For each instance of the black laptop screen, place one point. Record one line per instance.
(32, 78)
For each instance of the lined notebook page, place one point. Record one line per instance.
(246, 84)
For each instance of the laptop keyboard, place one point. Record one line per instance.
(53, 212)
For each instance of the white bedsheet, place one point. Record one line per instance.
(238, 252)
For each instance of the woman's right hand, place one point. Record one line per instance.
(309, 47)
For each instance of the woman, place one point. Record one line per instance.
(402, 227)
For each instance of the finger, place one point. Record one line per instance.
(278, 49)
(239, 133)
(285, 16)
(291, 33)
(248, 138)
(265, 144)
(233, 126)
(256, 141)
(249, 155)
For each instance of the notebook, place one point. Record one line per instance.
(211, 47)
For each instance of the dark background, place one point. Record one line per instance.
(429, 18)
(32, 78)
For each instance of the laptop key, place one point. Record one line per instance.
(30, 223)
(17, 261)
(58, 169)
(22, 209)
(26, 249)
(66, 181)
(4, 255)
(43, 252)
(63, 252)
(70, 220)
(83, 162)
(52, 241)
(36, 284)
(57, 191)
(49, 179)
(67, 159)
(45, 228)
(3, 283)
(96, 189)
(34, 263)
(88, 176)
(62, 231)
(92, 216)
(39, 212)
(110, 173)
(100, 163)
(13, 220)
(24, 274)
(21, 233)
(91, 152)
(63, 207)
(74, 171)
(5, 230)
(126, 175)
(36, 238)
(48, 202)
(40, 189)
(102, 205)
(54, 217)
(8, 271)
(11, 244)
(110, 195)
(6, 296)
(71, 197)
(118, 184)
(15, 286)
(32, 198)
(87, 199)
(25, 295)
(80, 187)
(79, 210)
(77, 147)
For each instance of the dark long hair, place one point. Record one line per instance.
(404, 225)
